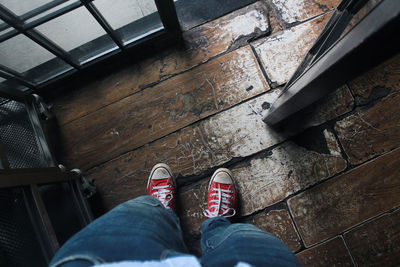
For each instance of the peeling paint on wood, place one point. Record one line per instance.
(292, 11)
(200, 44)
(376, 243)
(351, 198)
(329, 253)
(267, 179)
(162, 109)
(283, 52)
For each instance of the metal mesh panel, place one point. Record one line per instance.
(18, 243)
(18, 137)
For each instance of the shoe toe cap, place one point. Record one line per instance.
(223, 178)
(160, 173)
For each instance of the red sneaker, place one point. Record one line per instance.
(161, 185)
(222, 195)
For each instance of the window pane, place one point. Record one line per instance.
(21, 53)
(20, 7)
(79, 33)
(30, 59)
(131, 18)
(119, 13)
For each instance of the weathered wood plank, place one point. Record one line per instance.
(371, 131)
(329, 253)
(162, 109)
(235, 133)
(278, 223)
(292, 11)
(378, 82)
(270, 177)
(283, 52)
(376, 243)
(200, 44)
(327, 108)
(336, 205)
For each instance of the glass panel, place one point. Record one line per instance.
(119, 13)
(131, 19)
(50, 11)
(25, 56)
(79, 33)
(19, 8)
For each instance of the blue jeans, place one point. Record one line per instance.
(142, 229)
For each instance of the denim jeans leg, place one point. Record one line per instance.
(225, 244)
(139, 229)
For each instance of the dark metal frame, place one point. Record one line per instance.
(339, 56)
(27, 180)
(166, 11)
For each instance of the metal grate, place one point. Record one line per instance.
(18, 137)
(17, 236)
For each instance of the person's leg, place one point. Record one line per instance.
(225, 244)
(140, 229)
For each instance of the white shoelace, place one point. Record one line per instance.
(221, 203)
(164, 194)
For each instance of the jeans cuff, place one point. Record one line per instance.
(93, 260)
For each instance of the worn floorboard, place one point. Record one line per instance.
(282, 52)
(162, 109)
(376, 243)
(330, 253)
(360, 194)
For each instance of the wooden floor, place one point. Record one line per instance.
(329, 186)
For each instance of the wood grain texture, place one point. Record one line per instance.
(292, 11)
(376, 243)
(377, 83)
(329, 253)
(235, 133)
(272, 176)
(199, 45)
(336, 205)
(283, 52)
(278, 223)
(162, 109)
(371, 131)
(374, 128)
